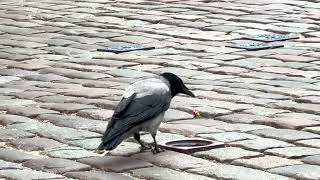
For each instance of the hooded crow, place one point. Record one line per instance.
(142, 108)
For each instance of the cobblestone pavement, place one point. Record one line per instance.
(57, 92)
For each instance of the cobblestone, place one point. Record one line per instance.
(57, 92)
(55, 165)
(227, 154)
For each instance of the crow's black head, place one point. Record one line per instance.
(176, 85)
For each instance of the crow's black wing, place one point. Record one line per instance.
(133, 111)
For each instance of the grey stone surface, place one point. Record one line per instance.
(55, 132)
(228, 137)
(13, 155)
(265, 162)
(261, 144)
(97, 175)
(89, 144)
(227, 154)
(30, 111)
(27, 174)
(35, 144)
(302, 171)
(294, 152)
(99, 114)
(286, 134)
(222, 171)
(75, 122)
(165, 174)
(172, 160)
(7, 119)
(310, 142)
(58, 91)
(312, 159)
(12, 134)
(10, 165)
(115, 163)
(55, 165)
(68, 153)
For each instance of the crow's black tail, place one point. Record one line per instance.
(110, 144)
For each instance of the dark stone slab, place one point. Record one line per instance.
(115, 163)
(55, 165)
(97, 175)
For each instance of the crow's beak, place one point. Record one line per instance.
(186, 91)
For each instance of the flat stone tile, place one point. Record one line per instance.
(315, 129)
(165, 174)
(55, 165)
(30, 111)
(312, 160)
(15, 155)
(227, 154)
(126, 149)
(48, 130)
(223, 171)
(241, 118)
(310, 142)
(115, 163)
(201, 121)
(12, 134)
(294, 152)
(97, 175)
(68, 153)
(288, 123)
(35, 144)
(89, 144)
(75, 122)
(27, 174)
(99, 114)
(10, 103)
(285, 134)
(265, 162)
(188, 130)
(66, 107)
(261, 144)
(8, 119)
(302, 171)
(173, 160)
(228, 137)
(10, 165)
(173, 115)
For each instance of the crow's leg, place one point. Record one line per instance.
(143, 146)
(156, 149)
